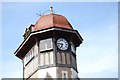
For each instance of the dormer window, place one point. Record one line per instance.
(28, 31)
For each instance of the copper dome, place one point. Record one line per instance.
(52, 20)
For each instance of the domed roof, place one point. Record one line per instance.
(52, 20)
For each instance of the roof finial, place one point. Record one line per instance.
(51, 8)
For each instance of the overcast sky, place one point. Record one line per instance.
(97, 56)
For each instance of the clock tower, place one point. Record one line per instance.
(49, 49)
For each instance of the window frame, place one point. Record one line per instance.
(50, 58)
(46, 44)
(64, 72)
(29, 56)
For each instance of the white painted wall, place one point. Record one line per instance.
(52, 72)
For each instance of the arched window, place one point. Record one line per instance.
(68, 58)
(63, 58)
(46, 58)
(58, 58)
(51, 58)
(41, 59)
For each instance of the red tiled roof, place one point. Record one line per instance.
(52, 20)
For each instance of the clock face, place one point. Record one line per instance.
(62, 44)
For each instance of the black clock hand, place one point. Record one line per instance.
(61, 44)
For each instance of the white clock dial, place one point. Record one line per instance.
(62, 44)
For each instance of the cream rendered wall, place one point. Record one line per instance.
(35, 75)
(51, 71)
(27, 71)
(32, 66)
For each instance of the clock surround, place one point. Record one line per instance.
(62, 44)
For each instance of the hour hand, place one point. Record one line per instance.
(60, 45)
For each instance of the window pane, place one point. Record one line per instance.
(49, 43)
(51, 58)
(58, 58)
(46, 44)
(68, 58)
(64, 75)
(41, 59)
(46, 59)
(63, 58)
(42, 45)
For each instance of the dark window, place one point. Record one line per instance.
(65, 76)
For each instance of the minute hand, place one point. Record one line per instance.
(61, 45)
